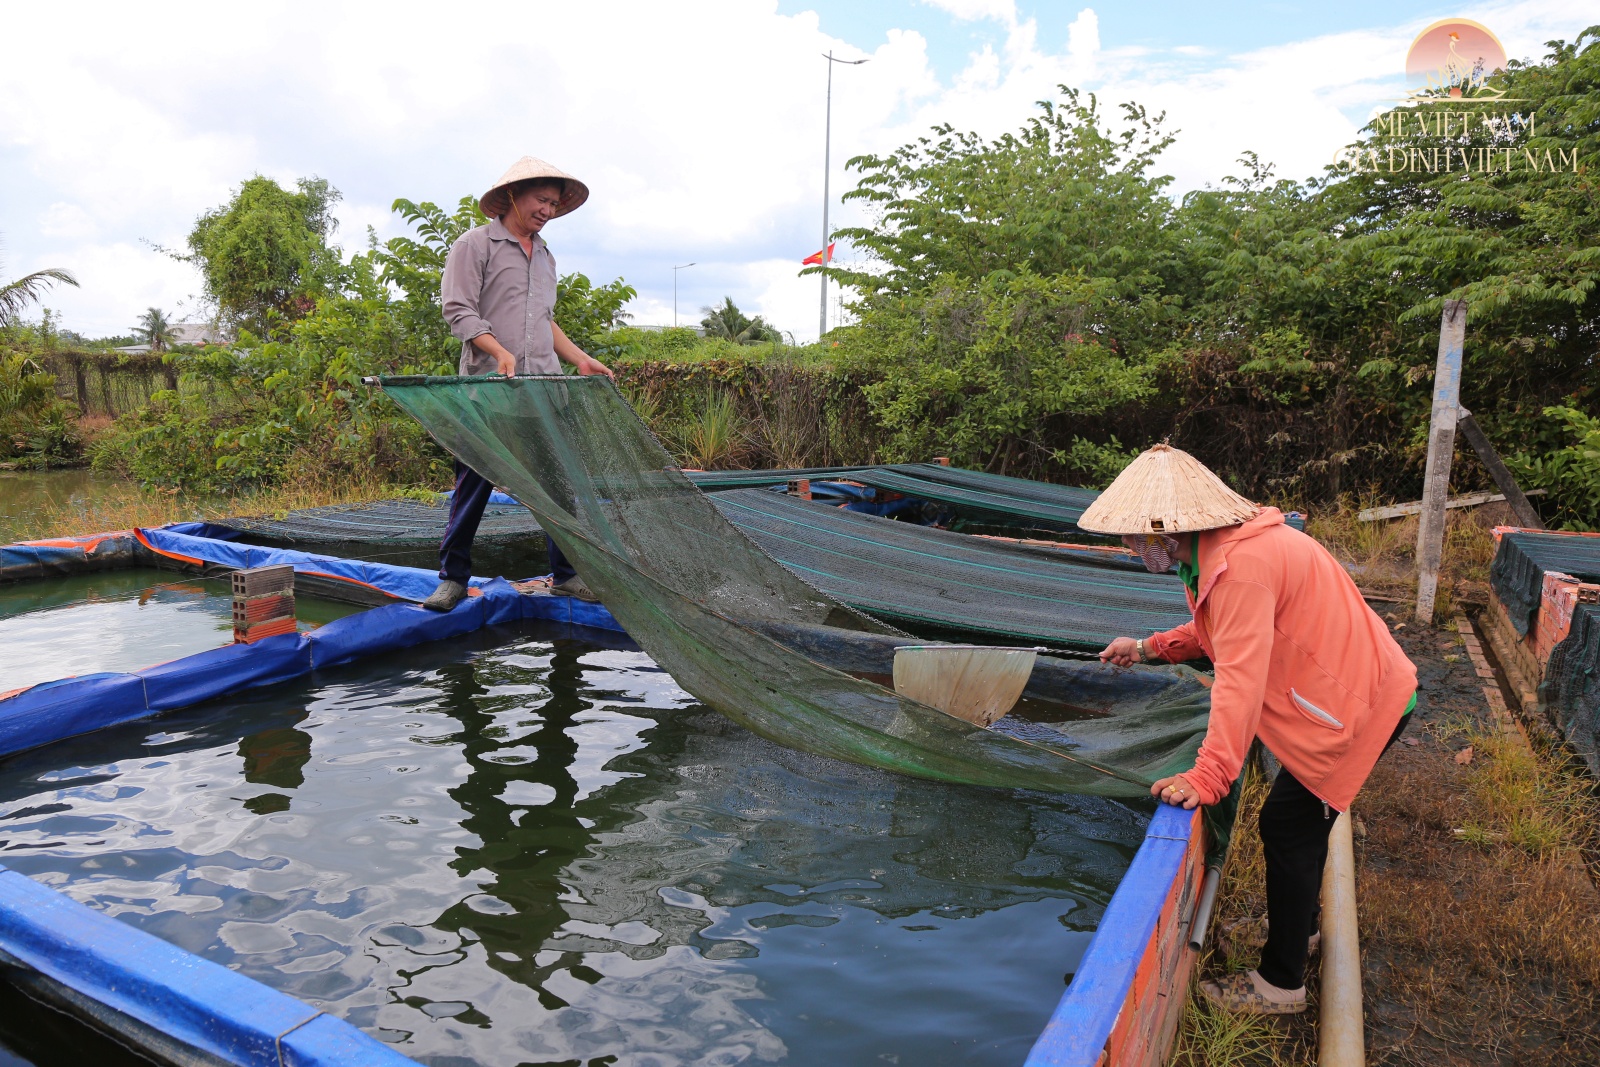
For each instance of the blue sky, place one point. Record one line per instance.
(698, 125)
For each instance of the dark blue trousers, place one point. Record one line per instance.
(466, 511)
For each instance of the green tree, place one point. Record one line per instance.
(17, 296)
(1065, 194)
(729, 323)
(154, 330)
(264, 255)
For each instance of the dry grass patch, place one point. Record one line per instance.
(124, 506)
(1479, 921)
(1381, 555)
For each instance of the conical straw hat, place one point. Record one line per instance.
(497, 201)
(1165, 491)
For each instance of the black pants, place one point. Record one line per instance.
(466, 511)
(1294, 838)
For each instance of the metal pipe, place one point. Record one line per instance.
(1202, 910)
(1342, 1038)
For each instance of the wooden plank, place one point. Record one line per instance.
(1441, 446)
(1497, 470)
(1468, 500)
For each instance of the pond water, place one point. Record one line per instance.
(24, 493)
(532, 848)
(120, 621)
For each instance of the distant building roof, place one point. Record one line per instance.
(184, 333)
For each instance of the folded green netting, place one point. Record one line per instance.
(1570, 691)
(1517, 574)
(382, 522)
(739, 631)
(918, 576)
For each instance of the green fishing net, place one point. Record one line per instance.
(749, 638)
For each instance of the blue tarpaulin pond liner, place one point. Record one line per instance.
(48, 712)
(1517, 574)
(915, 576)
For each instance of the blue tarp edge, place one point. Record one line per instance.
(196, 1002)
(1077, 1032)
(53, 711)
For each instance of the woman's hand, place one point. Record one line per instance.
(1122, 651)
(1176, 791)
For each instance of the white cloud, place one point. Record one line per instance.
(972, 10)
(699, 133)
(1083, 36)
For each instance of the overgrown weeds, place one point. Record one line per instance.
(1381, 554)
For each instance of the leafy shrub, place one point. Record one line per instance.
(37, 428)
(1570, 474)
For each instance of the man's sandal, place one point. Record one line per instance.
(1238, 993)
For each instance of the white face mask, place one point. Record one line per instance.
(1155, 550)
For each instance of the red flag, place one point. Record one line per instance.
(816, 257)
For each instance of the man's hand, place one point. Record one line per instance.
(587, 364)
(1175, 790)
(1122, 651)
(504, 362)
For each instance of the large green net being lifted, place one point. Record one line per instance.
(750, 639)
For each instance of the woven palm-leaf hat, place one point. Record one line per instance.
(1165, 491)
(497, 201)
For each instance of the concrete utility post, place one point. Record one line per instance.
(1441, 446)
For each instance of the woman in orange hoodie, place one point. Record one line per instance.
(1301, 662)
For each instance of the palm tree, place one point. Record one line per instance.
(155, 330)
(731, 324)
(16, 296)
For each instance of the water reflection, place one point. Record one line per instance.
(547, 852)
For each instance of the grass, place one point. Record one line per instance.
(1525, 799)
(121, 506)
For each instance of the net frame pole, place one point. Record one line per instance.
(1441, 446)
(1503, 479)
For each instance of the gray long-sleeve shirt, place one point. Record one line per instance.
(491, 285)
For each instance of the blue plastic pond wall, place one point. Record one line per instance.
(1122, 1007)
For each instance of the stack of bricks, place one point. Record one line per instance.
(263, 603)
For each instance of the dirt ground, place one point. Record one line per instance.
(1479, 914)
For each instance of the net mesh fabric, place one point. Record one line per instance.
(741, 633)
(920, 576)
(384, 522)
(1571, 685)
(1517, 574)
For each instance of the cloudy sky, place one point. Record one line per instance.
(697, 124)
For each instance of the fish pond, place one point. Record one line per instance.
(531, 847)
(120, 621)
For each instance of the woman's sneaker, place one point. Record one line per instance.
(1251, 994)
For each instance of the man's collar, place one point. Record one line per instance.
(498, 232)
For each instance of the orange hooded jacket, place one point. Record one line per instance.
(1301, 661)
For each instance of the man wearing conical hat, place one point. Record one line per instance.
(1301, 662)
(499, 296)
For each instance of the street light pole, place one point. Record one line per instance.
(827, 151)
(675, 271)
